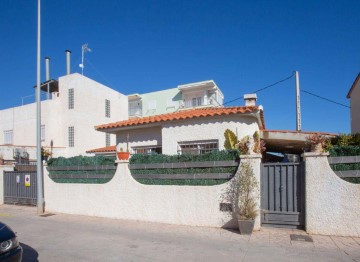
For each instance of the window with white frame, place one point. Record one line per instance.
(71, 98)
(71, 135)
(107, 108)
(107, 139)
(198, 147)
(147, 150)
(135, 108)
(8, 137)
(42, 133)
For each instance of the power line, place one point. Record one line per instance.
(262, 89)
(324, 98)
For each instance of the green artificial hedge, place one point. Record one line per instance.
(82, 161)
(346, 151)
(159, 158)
(224, 155)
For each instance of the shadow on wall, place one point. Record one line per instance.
(29, 254)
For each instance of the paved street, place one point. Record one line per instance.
(62, 237)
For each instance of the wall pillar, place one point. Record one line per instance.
(255, 162)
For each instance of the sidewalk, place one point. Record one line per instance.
(61, 237)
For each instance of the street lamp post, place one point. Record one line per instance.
(40, 194)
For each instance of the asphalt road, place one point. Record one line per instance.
(61, 237)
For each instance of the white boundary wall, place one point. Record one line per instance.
(125, 198)
(332, 204)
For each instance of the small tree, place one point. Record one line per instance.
(247, 192)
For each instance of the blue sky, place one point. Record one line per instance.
(144, 46)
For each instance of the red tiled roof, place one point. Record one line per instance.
(102, 149)
(357, 79)
(185, 114)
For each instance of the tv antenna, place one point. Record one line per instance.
(84, 48)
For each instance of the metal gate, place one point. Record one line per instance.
(20, 187)
(282, 195)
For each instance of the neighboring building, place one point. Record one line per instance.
(76, 104)
(193, 95)
(197, 131)
(354, 96)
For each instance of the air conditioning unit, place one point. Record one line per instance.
(25, 154)
(16, 153)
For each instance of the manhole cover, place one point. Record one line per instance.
(303, 238)
(47, 215)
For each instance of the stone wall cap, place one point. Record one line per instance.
(250, 156)
(315, 154)
(121, 161)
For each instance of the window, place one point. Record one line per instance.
(196, 101)
(107, 108)
(135, 108)
(8, 137)
(71, 98)
(107, 140)
(71, 132)
(198, 147)
(148, 150)
(42, 133)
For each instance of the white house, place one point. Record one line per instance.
(354, 96)
(198, 130)
(77, 103)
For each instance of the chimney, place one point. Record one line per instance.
(67, 52)
(250, 99)
(47, 68)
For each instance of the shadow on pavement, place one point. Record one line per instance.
(29, 254)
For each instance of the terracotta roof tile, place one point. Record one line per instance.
(102, 149)
(185, 114)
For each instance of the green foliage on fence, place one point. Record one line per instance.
(158, 158)
(225, 155)
(346, 151)
(82, 180)
(82, 161)
(183, 182)
(184, 170)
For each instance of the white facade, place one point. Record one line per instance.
(170, 135)
(354, 96)
(89, 109)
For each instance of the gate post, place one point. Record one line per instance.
(255, 162)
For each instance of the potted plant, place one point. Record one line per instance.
(316, 142)
(45, 154)
(247, 190)
(123, 155)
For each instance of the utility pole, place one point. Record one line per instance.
(298, 110)
(40, 194)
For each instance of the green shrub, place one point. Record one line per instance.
(82, 161)
(345, 151)
(159, 158)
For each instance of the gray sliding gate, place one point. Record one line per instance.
(20, 187)
(282, 195)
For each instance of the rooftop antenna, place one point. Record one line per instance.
(84, 48)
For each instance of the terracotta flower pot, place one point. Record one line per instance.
(123, 155)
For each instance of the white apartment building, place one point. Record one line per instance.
(68, 117)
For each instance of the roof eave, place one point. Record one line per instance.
(357, 79)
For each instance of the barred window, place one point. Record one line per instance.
(107, 139)
(107, 108)
(198, 147)
(71, 133)
(71, 98)
(8, 137)
(42, 133)
(148, 150)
